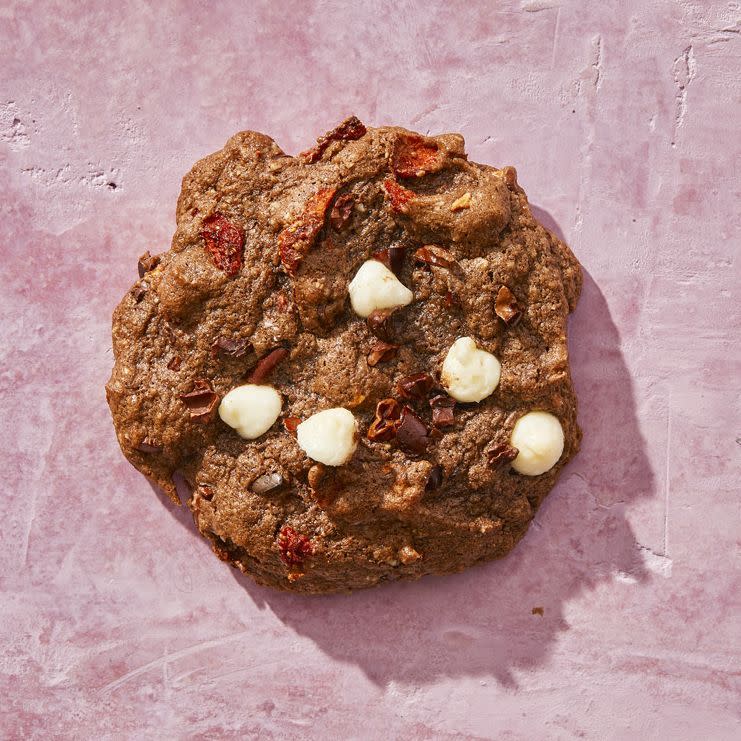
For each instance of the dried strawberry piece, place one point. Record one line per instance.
(224, 242)
(506, 307)
(399, 196)
(266, 364)
(291, 424)
(501, 454)
(416, 386)
(297, 239)
(387, 419)
(415, 156)
(350, 129)
(431, 254)
(442, 410)
(412, 432)
(201, 401)
(294, 548)
(381, 352)
(341, 212)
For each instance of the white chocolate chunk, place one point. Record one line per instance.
(539, 438)
(469, 374)
(329, 437)
(251, 410)
(376, 287)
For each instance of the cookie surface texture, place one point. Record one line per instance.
(413, 469)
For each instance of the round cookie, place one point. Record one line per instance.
(384, 277)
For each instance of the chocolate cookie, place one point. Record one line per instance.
(356, 357)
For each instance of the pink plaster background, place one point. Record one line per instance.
(623, 122)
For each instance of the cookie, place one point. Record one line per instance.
(356, 357)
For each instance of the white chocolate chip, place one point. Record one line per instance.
(251, 410)
(538, 436)
(469, 374)
(329, 437)
(376, 287)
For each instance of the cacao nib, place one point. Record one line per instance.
(266, 364)
(499, 455)
(412, 433)
(201, 401)
(506, 307)
(416, 386)
(381, 352)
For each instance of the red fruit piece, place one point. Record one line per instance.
(291, 424)
(350, 129)
(224, 242)
(294, 548)
(399, 196)
(297, 239)
(415, 156)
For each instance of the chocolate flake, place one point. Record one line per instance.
(201, 401)
(506, 307)
(412, 432)
(174, 363)
(266, 364)
(381, 352)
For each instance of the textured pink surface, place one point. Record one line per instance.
(116, 621)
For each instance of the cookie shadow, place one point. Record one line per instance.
(505, 617)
